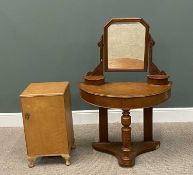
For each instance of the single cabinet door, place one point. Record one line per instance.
(44, 125)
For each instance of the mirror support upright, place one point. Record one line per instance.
(96, 77)
(155, 75)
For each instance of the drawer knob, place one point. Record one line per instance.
(27, 115)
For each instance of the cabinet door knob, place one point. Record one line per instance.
(27, 115)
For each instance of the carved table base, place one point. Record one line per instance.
(115, 148)
(125, 151)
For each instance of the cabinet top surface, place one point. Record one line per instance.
(45, 89)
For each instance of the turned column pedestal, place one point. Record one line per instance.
(125, 151)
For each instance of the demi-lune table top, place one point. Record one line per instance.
(125, 94)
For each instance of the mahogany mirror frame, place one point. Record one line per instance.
(127, 20)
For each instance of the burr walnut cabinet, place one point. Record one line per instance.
(47, 119)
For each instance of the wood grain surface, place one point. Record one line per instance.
(48, 127)
(125, 89)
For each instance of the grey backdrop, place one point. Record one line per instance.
(55, 40)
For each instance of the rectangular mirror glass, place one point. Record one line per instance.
(126, 46)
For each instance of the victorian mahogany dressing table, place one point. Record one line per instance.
(126, 45)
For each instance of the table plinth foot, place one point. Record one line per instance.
(126, 160)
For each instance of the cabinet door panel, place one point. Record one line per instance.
(45, 130)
